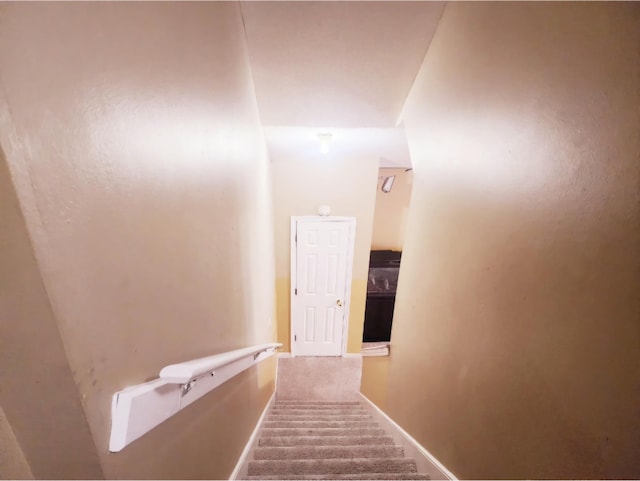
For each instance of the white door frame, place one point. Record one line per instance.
(294, 272)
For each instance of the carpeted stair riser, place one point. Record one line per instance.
(325, 452)
(323, 432)
(317, 406)
(319, 414)
(328, 409)
(318, 424)
(331, 466)
(406, 476)
(285, 402)
(325, 440)
(320, 405)
(310, 416)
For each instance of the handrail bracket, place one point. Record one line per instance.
(186, 387)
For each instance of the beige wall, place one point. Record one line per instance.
(133, 139)
(34, 363)
(299, 187)
(13, 464)
(516, 341)
(392, 208)
(375, 380)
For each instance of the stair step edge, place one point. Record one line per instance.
(365, 440)
(377, 451)
(331, 466)
(388, 476)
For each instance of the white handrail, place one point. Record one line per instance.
(138, 409)
(184, 372)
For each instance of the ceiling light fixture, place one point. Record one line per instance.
(387, 184)
(324, 138)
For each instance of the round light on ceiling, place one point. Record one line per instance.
(324, 138)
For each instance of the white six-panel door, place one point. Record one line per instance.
(320, 285)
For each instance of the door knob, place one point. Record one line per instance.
(339, 302)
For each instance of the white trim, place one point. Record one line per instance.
(375, 349)
(285, 355)
(247, 449)
(375, 354)
(293, 255)
(437, 465)
(355, 355)
(333, 218)
(294, 272)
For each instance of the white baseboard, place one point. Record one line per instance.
(287, 355)
(247, 449)
(434, 468)
(352, 355)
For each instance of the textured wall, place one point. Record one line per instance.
(132, 135)
(299, 187)
(516, 341)
(13, 464)
(392, 209)
(34, 364)
(375, 379)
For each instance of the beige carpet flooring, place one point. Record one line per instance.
(319, 379)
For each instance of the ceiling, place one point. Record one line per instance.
(388, 146)
(337, 66)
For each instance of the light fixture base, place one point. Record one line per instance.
(324, 210)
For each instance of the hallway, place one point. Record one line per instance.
(152, 156)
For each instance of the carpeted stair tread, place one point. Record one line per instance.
(319, 417)
(320, 412)
(345, 405)
(320, 405)
(323, 432)
(298, 407)
(331, 466)
(326, 452)
(317, 403)
(317, 406)
(324, 440)
(407, 476)
(321, 424)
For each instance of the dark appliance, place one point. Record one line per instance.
(384, 267)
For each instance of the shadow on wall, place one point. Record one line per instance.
(13, 464)
(35, 364)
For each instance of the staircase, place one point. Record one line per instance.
(326, 440)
